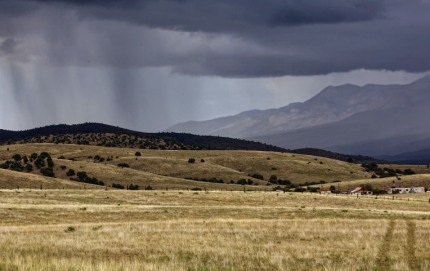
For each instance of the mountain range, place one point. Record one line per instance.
(376, 120)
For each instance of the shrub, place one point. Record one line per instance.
(242, 182)
(138, 153)
(313, 189)
(202, 160)
(82, 175)
(123, 165)
(148, 187)
(16, 166)
(70, 229)
(257, 176)
(50, 162)
(44, 155)
(70, 172)
(284, 182)
(17, 157)
(29, 168)
(48, 172)
(299, 189)
(408, 172)
(39, 162)
(133, 187)
(191, 160)
(273, 179)
(117, 185)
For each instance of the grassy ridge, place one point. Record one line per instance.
(170, 169)
(418, 180)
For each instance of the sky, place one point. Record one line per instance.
(149, 64)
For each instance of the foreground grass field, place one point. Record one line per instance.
(181, 230)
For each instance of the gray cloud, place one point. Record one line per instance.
(225, 38)
(227, 15)
(8, 46)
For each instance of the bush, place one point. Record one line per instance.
(123, 165)
(117, 185)
(39, 162)
(17, 157)
(29, 168)
(242, 182)
(44, 155)
(82, 176)
(50, 163)
(257, 176)
(70, 229)
(70, 172)
(148, 187)
(191, 160)
(273, 179)
(408, 172)
(138, 153)
(48, 172)
(284, 182)
(313, 189)
(133, 187)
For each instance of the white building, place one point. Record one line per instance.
(405, 190)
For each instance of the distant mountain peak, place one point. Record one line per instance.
(370, 120)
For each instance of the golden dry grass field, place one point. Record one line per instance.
(168, 169)
(186, 230)
(60, 224)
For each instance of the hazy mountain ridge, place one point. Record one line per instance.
(398, 127)
(369, 120)
(330, 105)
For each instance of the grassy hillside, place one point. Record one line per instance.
(418, 180)
(14, 180)
(162, 169)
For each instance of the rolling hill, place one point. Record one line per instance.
(171, 169)
(112, 136)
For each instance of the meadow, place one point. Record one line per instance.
(187, 224)
(216, 230)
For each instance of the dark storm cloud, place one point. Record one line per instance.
(229, 38)
(228, 15)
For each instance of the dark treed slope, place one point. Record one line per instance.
(111, 136)
(337, 156)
